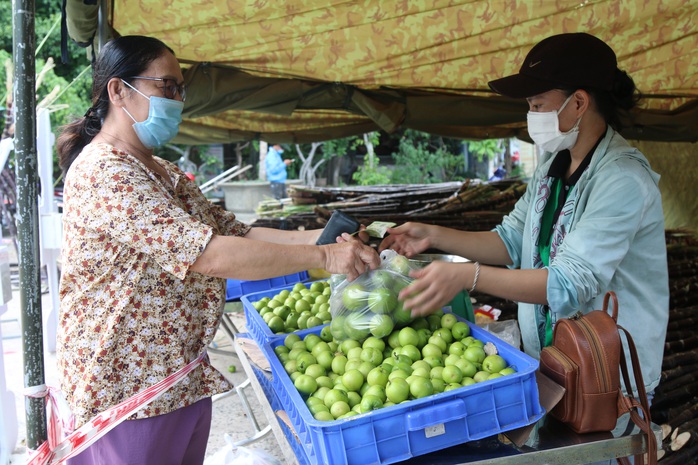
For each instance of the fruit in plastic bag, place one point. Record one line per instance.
(355, 326)
(399, 264)
(369, 305)
(353, 296)
(382, 300)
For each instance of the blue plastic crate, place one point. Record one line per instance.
(256, 326)
(265, 381)
(235, 289)
(420, 426)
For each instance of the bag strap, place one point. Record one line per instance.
(610, 295)
(638, 407)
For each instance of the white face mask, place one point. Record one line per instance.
(544, 129)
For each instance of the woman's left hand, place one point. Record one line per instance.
(434, 287)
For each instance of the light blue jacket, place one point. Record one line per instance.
(276, 168)
(614, 241)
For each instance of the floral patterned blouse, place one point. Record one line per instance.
(131, 314)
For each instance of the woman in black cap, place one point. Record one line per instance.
(590, 221)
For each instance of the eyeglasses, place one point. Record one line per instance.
(170, 88)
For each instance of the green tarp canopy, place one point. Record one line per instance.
(312, 70)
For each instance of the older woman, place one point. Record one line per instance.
(145, 253)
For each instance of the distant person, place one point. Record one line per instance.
(499, 174)
(145, 258)
(276, 171)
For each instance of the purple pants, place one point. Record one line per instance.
(176, 438)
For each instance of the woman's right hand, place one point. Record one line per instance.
(408, 239)
(351, 257)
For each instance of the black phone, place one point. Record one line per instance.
(338, 223)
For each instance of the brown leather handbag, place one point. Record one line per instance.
(587, 359)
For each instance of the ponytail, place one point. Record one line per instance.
(615, 104)
(75, 136)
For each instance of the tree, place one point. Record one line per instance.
(423, 158)
(48, 39)
(334, 150)
(370, 173)
(308, 169)
(239, 147)
(485, 149)
(65, 88)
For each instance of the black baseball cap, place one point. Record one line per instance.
(560, 61)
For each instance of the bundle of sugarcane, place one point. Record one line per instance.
(478, 196)
(329, 195)
(299, 221)
(472, 205)
(675, 405)
(266, 206)
(403, 201)
(468, 221)
(475, 206)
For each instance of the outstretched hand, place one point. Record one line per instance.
(433, 288)
(407, 239)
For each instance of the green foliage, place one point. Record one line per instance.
(6, 25)
(420, 161)
(74, 85)
(336, 147)
(370, 173)
(70, 102)
(48, 31)
(48, 14)
(372, 138)
(5, 57)
(210, 165)
(485, 149)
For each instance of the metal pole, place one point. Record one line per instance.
(102, 25)
(24, 46)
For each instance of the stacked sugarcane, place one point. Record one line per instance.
(675, 405)
(472, 205)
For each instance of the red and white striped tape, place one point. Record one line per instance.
(56, 451)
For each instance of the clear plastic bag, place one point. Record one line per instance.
(369, 304)
(506, 330)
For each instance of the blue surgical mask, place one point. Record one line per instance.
(162, 123)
